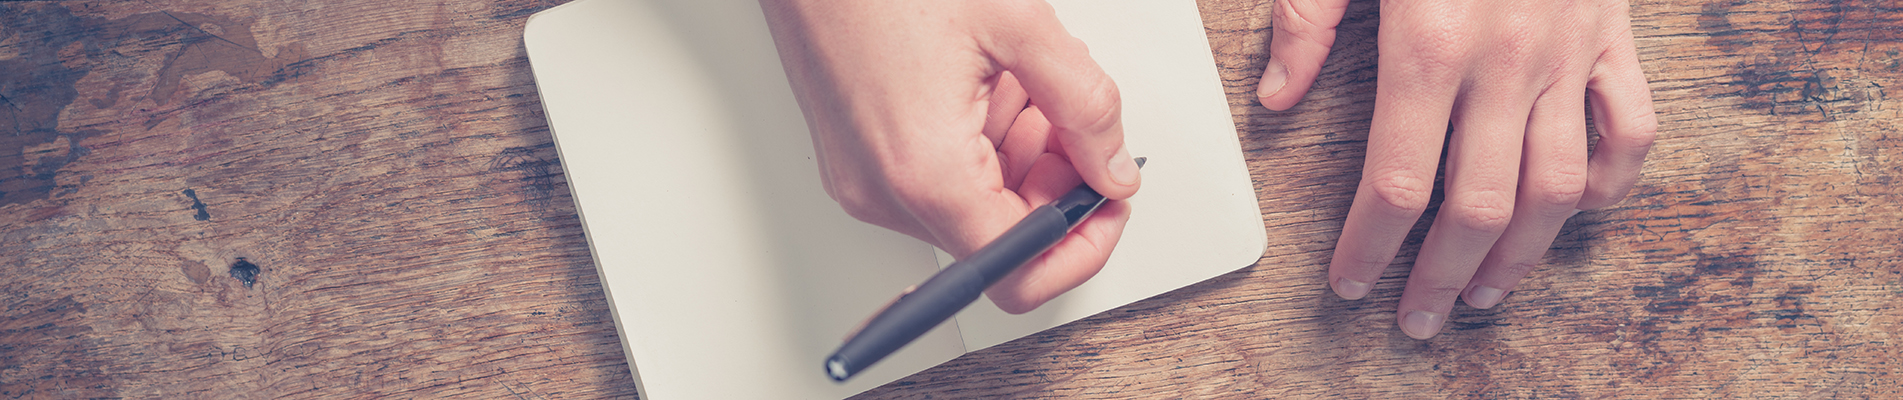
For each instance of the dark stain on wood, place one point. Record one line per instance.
(389, 128)
(30, 102)
(1715, 19)
(35, 85)
(50, 333)
(1767, 85)
(244, 271)
(540, 173)
(1784, 66)
(203, 213)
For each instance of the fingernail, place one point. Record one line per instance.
(1122, 168)
(1352, 289)
(1421, 324)
(1273, 79)
(1483, 297)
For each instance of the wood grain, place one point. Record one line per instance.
(385, 166)
(387, 171)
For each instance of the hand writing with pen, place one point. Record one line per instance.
(948, 121)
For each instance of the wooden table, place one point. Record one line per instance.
(384, 172)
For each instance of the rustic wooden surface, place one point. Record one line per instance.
(384, 171)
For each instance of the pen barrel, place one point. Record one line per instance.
(942, 296)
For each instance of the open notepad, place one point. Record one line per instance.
(732, 275)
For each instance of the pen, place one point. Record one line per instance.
(923, 307)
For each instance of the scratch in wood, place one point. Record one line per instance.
(15, 110)
(1830, 33)
(153, 118)
(202, 30)
(525, 394)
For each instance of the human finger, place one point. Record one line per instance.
(1075, 258)
(1076, 96)
(1622, 113)
(1007, 100)
(1028, 139)
(1552, 176)
(1303, 32)
(1413, 102)
(1483, 161)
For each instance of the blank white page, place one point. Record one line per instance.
(729, 271)
(1196, 215)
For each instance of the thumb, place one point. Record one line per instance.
(1303, 31)
(1073, 92)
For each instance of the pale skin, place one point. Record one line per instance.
(948, 121)
(1512, 78)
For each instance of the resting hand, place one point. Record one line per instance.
(1511, 79)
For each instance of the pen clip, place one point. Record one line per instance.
(875, 314)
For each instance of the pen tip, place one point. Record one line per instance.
(1140, 161)
(836, 369)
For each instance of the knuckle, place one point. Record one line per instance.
(1486, 211)
(1518, 43)
(860, 205)
(874, 200)
(1601, 196)
(1101, 110)
(1438, 50)
(1515, 57)
(1405, 195)
(1561, 187)
(1643, 131)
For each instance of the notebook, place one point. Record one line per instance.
(731, 274)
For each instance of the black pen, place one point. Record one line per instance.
(923, 307)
